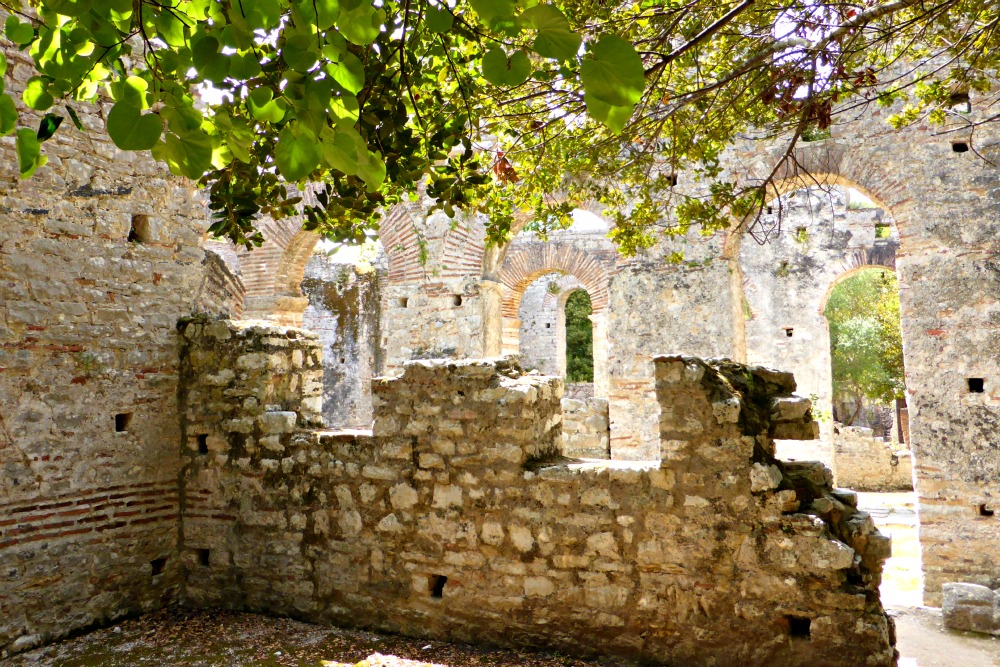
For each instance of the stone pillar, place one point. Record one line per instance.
(491, 293)
(511, 336)
(600, 322)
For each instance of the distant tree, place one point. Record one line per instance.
(866, 343)
(579, 338)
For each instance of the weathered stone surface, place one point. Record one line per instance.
(866, 463)
(591, 556)
(971, 607)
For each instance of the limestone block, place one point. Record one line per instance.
(971, 607)
(790, 408)
(278, 422)
(764, 477)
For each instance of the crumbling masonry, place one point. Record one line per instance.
(120, 493)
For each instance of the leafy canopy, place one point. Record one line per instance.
(866, 343)
(506, 107)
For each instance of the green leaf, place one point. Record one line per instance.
(74, 8)
(207, 60)
(615, 75)
(29, 152)
(341, 153)
(170, 28)
(48, 126)
(264, 108)
(3, 64)
(503, 71)
(260, 14)
(75, 118)
(325, 12)
(438, 20)
(361, 25)
(131, 130)
(17, 32)
(131, 91)
(345, 110)
(615, 118)
(8, 115)
(243, 67)
(372, 171)
(297, 152)
(300, 52)
(189, 154)
(349, 73)
(554, 39)
(489, 10)
(36, 95)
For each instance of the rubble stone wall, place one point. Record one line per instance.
(585, 428)
(457, 519)
(89, 426)
(865, 463)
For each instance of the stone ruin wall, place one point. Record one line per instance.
(344, 303)
(866, 463)
(89, 497)
(455, 519)
(432, 302)
(586, 427)
(788, 278)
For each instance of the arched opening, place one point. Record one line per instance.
(579, 338)
(810, 257)
(866, 351)
(556, 331)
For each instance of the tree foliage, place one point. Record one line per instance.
(866, 343)
(579, 338)
(506, 107)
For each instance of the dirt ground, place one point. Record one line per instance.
(220, 639)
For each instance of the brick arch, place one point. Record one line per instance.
(824, 163)
(273, 272)
(526, 263)
(455, 247)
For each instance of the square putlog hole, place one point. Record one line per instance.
(798, 626)
(436, 585)
(204, 557)
(122, 421)
(157, 565)
(203, 443)
(140, 231)
(977, 385)
(960, 147)
(986, 510)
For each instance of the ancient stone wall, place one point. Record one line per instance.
(344, 310)
(247, 387)
(866, 463)
(455, 518)
(662, 306)
(432, 304)
(89, 427)
(586, 432)
(820, 236)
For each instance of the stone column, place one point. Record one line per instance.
(600, 322)
(491, 294)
